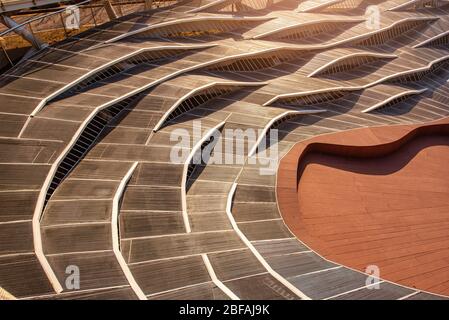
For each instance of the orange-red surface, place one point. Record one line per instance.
(376, 196)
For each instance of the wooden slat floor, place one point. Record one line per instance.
(128, 215)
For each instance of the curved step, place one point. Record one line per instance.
(310, 97)
(438, 40)
(308, 29)
(253, 61)
(275, 123)
(191, 27)
(199, 96)
(116, 66)
(398, 98)
(395, 30)
(420, 73)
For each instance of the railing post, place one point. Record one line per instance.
(110, 10)
(63, 25)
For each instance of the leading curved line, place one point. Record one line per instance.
(256, 253)
(438, 36)
(53, 95)
(307, 93)
(355, 151)
(192, 92)
(402, 94)
(185, 215)
(268, 126)
(303, 47)
(37, 215)
(37, 238)
(187, 20)
(352, 55)
(216, 281)
(404, 5)
(354, 88)
(115, 233)
(304, 24)
(409, 19)
(5, 295)
(364, 35)
(40, 203)
(321, 5)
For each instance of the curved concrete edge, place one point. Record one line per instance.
(310, 92)
(254, 53)
(256, 253)
(38, 212)
(355, 88)
(186, 20)
(39, 208)
(273, 120)
(115, 233)
(352, 55)
(411, 71)
(358, 37)
(68, 86)
(308, 23)
(391, 26)
(421, 44)
(37, 236)
(401, 94)
(41, 199)
(215, 280)
(403, 5)
(179, 72)
(301, 47)
(362, 36)
(288, 187)
(185, 215)
(162, 120)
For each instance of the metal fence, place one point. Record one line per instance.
(62, 24)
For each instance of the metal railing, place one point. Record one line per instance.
(38, 32)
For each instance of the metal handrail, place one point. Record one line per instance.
(40, 17)
(31, 23)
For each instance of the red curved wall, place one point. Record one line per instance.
(374, 196)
